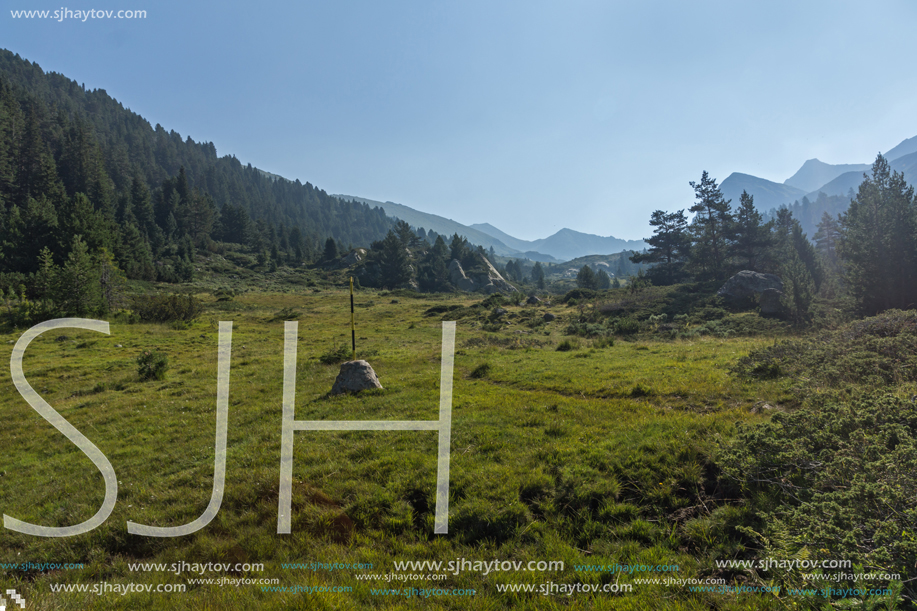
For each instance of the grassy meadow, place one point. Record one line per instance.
(601, 453)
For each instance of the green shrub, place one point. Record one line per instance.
(337, 354)
(567, 345)
(579, 295)
(495, 300)
(152, 365)
(876, 351)
(626, 326)
(588, 329)
(836, 475)
(481, 371)
(167, 308)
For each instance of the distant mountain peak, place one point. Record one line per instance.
(815, 173)
(906, 147)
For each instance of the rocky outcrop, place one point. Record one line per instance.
(352, 258)
(747, 284)
(354, 377)
(490, 281)
(770, 302)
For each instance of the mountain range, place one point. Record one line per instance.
(564, 245)
(816, 177)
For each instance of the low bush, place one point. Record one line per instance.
(152, 365)
(480, 371)
(167, 308)
(876, 351)
(337, 354)
(579, 295)
(836, 477)
(626, 326)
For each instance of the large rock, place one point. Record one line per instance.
(490, 281)
(354, 377)
(747, 283)
(352, 258)
(770, 301)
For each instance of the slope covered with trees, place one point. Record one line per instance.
(78, 167)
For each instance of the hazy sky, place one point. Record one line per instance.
(531, 116)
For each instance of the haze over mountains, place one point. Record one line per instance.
(564, 245)
(816, 177)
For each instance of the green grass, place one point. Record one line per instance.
(600, 455)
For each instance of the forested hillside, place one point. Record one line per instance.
(76, 166)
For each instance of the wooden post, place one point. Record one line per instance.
(353, 332)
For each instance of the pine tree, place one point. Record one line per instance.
(826, 243)
(393, 262)
(710, 229)
(877, 242)
(585, 279)
(751, 236)
(331, 250)
(602, 280)
(669, 247)
(538, 277)
(79, 286)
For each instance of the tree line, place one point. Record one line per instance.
(79, 172)
(868, 253)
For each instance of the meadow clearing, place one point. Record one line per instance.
(604, 453)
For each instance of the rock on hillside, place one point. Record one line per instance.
(490, 281)
(747, 283)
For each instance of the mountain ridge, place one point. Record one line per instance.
(564, 245)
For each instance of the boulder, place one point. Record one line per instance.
(532, 300)
(498, 312)
(354, 377)
(489, 282)
(747, 283)
(352, 258)
(548, 317)
(770, 301)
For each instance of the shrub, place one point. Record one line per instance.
(626, 326)
(587, 329)
(337, 354)
(567, 345)
(167, 308)
(481, 371)
(152, 365)
(875, 351)
(578, 295)
(837, 475)
(495, 300)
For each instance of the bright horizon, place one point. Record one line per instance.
(527, 116)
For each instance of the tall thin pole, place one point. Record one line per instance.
(353, 332)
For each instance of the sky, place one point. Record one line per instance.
(531, 116)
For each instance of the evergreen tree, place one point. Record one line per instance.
(878, 244)
(331, 250)
(538, 277)
(405, 234)
(78, 283)
(710, 229)
(393, 262)
(602, 281)
(433, 273)
(826, 242)
(585, 279)
(751, 236)
(296, 245)
(669, 247)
